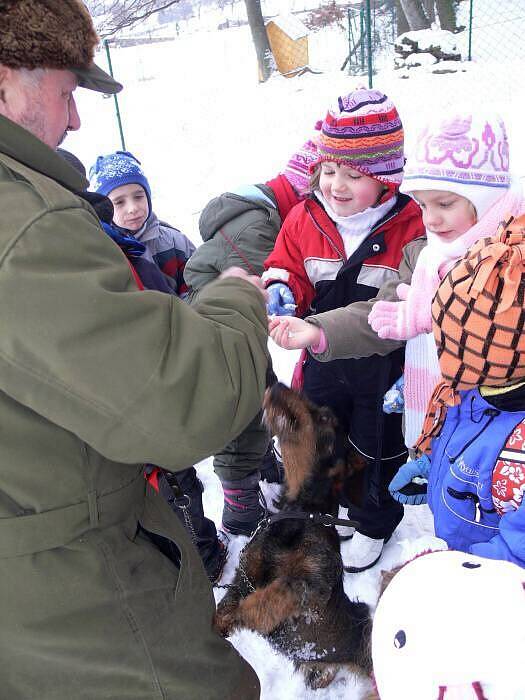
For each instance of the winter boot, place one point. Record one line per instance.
(243, 509)
(183, 494)
(189, 509)
(364, 552)
(272, 470)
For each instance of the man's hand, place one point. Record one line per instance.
(281, 301)
(293, 333)
(252, 279)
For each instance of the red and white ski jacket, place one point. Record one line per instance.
(309, 256)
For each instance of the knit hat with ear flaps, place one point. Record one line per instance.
(366, 134)
(52, 34)
(465, 154)
(297, 170)
(478, 320)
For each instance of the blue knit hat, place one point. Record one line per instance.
(117, 169)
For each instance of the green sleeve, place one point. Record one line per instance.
(138, 375)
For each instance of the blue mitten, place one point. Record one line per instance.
(402, 487)
(281, 301)
(394, 400)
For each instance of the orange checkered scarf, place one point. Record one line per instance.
(478, 319)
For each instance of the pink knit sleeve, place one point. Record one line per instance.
(321, 345)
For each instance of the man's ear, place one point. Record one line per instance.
(5, 77)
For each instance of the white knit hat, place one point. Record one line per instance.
(467, 154)
(453, 621)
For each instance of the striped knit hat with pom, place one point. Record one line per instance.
(478, 319)
(367, 135)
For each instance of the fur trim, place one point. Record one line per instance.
(46, 34)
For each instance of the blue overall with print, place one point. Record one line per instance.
(461, 478)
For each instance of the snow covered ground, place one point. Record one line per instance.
(195, 116)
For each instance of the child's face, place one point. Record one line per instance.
(346, 190)
(446, 214)
(131, 206)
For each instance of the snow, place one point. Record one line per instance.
(426, 39)
(292, 26)
(195, 116)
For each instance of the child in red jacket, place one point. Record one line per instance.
(337, 248)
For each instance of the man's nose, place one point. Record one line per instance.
(74, 118)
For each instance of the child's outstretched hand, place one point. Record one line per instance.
(293, 333)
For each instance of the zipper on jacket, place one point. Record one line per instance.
(492, 413)
(469, 496)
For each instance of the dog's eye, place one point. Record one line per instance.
(471, 565)
(400, 639)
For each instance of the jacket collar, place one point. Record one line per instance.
(374, 244)
(19, 144)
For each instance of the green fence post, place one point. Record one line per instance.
(369, 40)
(117, 110)
(470, 30)
(362, 34)
(350, 40)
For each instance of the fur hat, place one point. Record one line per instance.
(52, 34)
(478, 319)
(115, 170)
(366, 134)
(467, 154)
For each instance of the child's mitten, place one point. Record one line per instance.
(281, 301)
(394, 400)
(402, 487)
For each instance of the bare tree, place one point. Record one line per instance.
(260, 39)
(447, 15)
(420, 14)
(415, 14)
(111, 16)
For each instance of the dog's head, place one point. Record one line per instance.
(307, 436)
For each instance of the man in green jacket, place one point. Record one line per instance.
(98, 378)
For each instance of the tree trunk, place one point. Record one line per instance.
(260, 39)
(402, 25)
(428, 7)
(446, 14)
(415, 15)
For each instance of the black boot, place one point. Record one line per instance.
(243, 509)
(184, 494)
(272, 470)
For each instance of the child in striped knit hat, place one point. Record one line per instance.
(459, 175)
(337, 250)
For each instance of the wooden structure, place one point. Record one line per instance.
(288, 38)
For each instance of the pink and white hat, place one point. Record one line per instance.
(466, 154)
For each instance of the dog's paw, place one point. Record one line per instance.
(224, 622)
(317, 675)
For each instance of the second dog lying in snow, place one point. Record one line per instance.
(289, 582)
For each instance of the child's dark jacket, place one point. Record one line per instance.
(236, 230)
(168, 248)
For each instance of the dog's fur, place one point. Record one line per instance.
(46, 34)
(289, 584)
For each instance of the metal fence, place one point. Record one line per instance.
(491, 31)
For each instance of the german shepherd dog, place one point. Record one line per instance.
(289, 582)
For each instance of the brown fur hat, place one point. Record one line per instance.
(46, 34)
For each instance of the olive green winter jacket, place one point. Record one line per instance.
(96, 379)
(236, 230)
